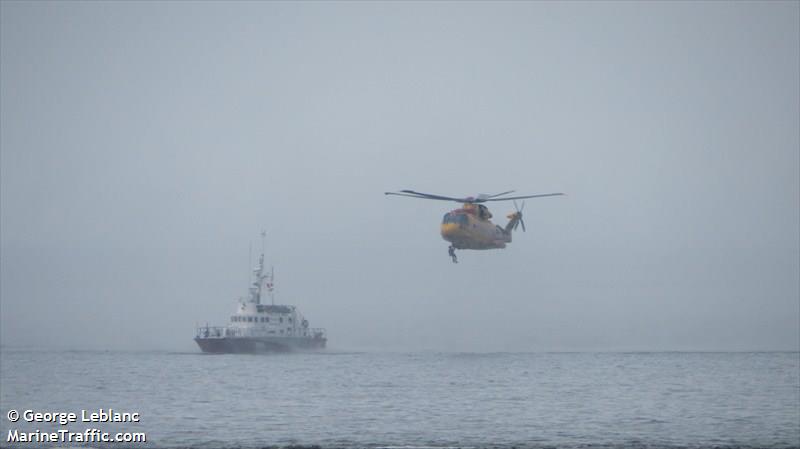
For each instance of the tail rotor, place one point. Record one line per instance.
(519, 216)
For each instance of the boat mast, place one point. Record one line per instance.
(271, 285)
(258, 271)
(270, 278)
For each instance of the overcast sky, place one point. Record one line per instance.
(144, 145)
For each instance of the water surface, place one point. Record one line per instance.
(350, 400)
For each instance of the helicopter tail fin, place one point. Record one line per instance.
(514, 220)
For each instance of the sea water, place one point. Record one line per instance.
(339, 399)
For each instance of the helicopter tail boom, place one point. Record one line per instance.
(514, 220)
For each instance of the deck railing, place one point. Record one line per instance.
(247, 332)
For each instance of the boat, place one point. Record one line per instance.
(257, 327)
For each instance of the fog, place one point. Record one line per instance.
(145, 145)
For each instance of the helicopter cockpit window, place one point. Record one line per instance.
(455, 218)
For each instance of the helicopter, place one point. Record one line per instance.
(470, 227)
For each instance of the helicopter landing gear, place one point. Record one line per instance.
(452, 251)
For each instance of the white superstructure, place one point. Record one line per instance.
(257, 327)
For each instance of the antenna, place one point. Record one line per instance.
(263, 236)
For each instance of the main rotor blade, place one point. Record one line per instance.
(428, 196)
(499, 194)
(523, 197)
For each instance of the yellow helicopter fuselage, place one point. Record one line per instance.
(471, 228)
